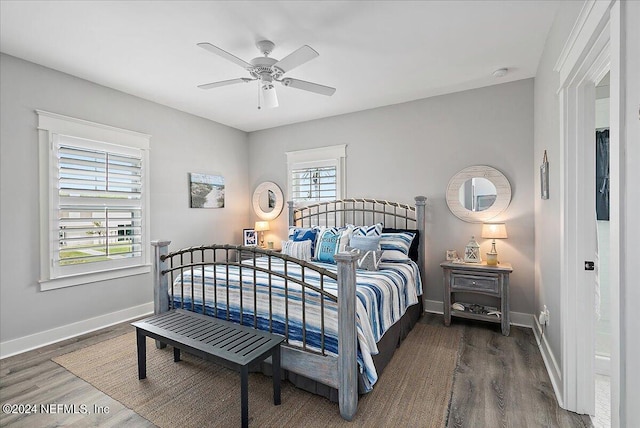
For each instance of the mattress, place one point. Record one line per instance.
(382, 298)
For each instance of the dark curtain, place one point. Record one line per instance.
(602, 174)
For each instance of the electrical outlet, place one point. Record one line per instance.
(543, 318)
(546, 315)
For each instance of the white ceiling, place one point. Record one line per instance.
(375, 53)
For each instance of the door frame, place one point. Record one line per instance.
(588, 54)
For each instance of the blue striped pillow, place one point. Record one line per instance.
(400, 241)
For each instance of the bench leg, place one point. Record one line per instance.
(142, 354)
(176, 354)
(275, 364)
(244, 395)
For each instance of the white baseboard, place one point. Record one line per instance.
(37, 340)
(550, 362)
(519, 319)
(433, 306)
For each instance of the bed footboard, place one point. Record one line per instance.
(340, 372)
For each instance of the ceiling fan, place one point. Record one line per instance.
(269, 70)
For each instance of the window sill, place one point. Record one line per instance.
(87, 278)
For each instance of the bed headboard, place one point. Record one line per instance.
(363, 211)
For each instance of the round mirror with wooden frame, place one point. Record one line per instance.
(478, 193)
(268, 200)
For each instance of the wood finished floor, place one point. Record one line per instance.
(500, 382)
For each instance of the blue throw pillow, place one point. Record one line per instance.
(330, 242)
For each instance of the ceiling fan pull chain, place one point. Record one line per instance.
(259, 106)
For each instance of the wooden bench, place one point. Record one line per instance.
(216, 340)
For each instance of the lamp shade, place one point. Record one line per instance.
(261, 226)
(494, 231)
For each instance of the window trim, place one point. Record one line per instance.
(50, 124)
(318, 157)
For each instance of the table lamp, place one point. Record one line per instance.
(493, 231)
(260, 227)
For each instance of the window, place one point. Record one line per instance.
(316, 174)
(94, 194)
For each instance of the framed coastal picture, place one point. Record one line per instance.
(206, 191)
(249, 238)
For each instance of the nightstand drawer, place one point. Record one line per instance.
(475, 283)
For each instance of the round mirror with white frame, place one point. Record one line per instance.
(478, 193)
(268, 200)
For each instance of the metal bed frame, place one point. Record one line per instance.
(339, 372)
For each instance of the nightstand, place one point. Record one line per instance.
(477, 278)
(248, 255)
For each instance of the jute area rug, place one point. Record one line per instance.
(413, 391)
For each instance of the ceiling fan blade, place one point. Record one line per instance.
(308, 86)
(296, 58)
(224, 54)
(225, 83)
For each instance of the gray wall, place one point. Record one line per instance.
(180, 143)
(547, 137)
(409, 149)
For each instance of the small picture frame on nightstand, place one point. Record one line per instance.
(249, 238)
(452, 255)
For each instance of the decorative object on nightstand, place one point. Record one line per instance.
(452, 255)
(462, 280)
(260, 227)
(249, 238)
(493, 231)
(472, 252)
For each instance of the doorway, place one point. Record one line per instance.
(584, 63)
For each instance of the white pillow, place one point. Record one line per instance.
(298, 249)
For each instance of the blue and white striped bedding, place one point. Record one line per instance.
(382, 299)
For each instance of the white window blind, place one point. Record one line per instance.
(314, 184)
(94, 199)
(99, 202)
(316, 174)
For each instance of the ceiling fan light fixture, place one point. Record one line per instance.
(269, 96)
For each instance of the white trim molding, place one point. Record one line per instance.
(550, 361)
(51, 128)
(591, 20)
(37, 340)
